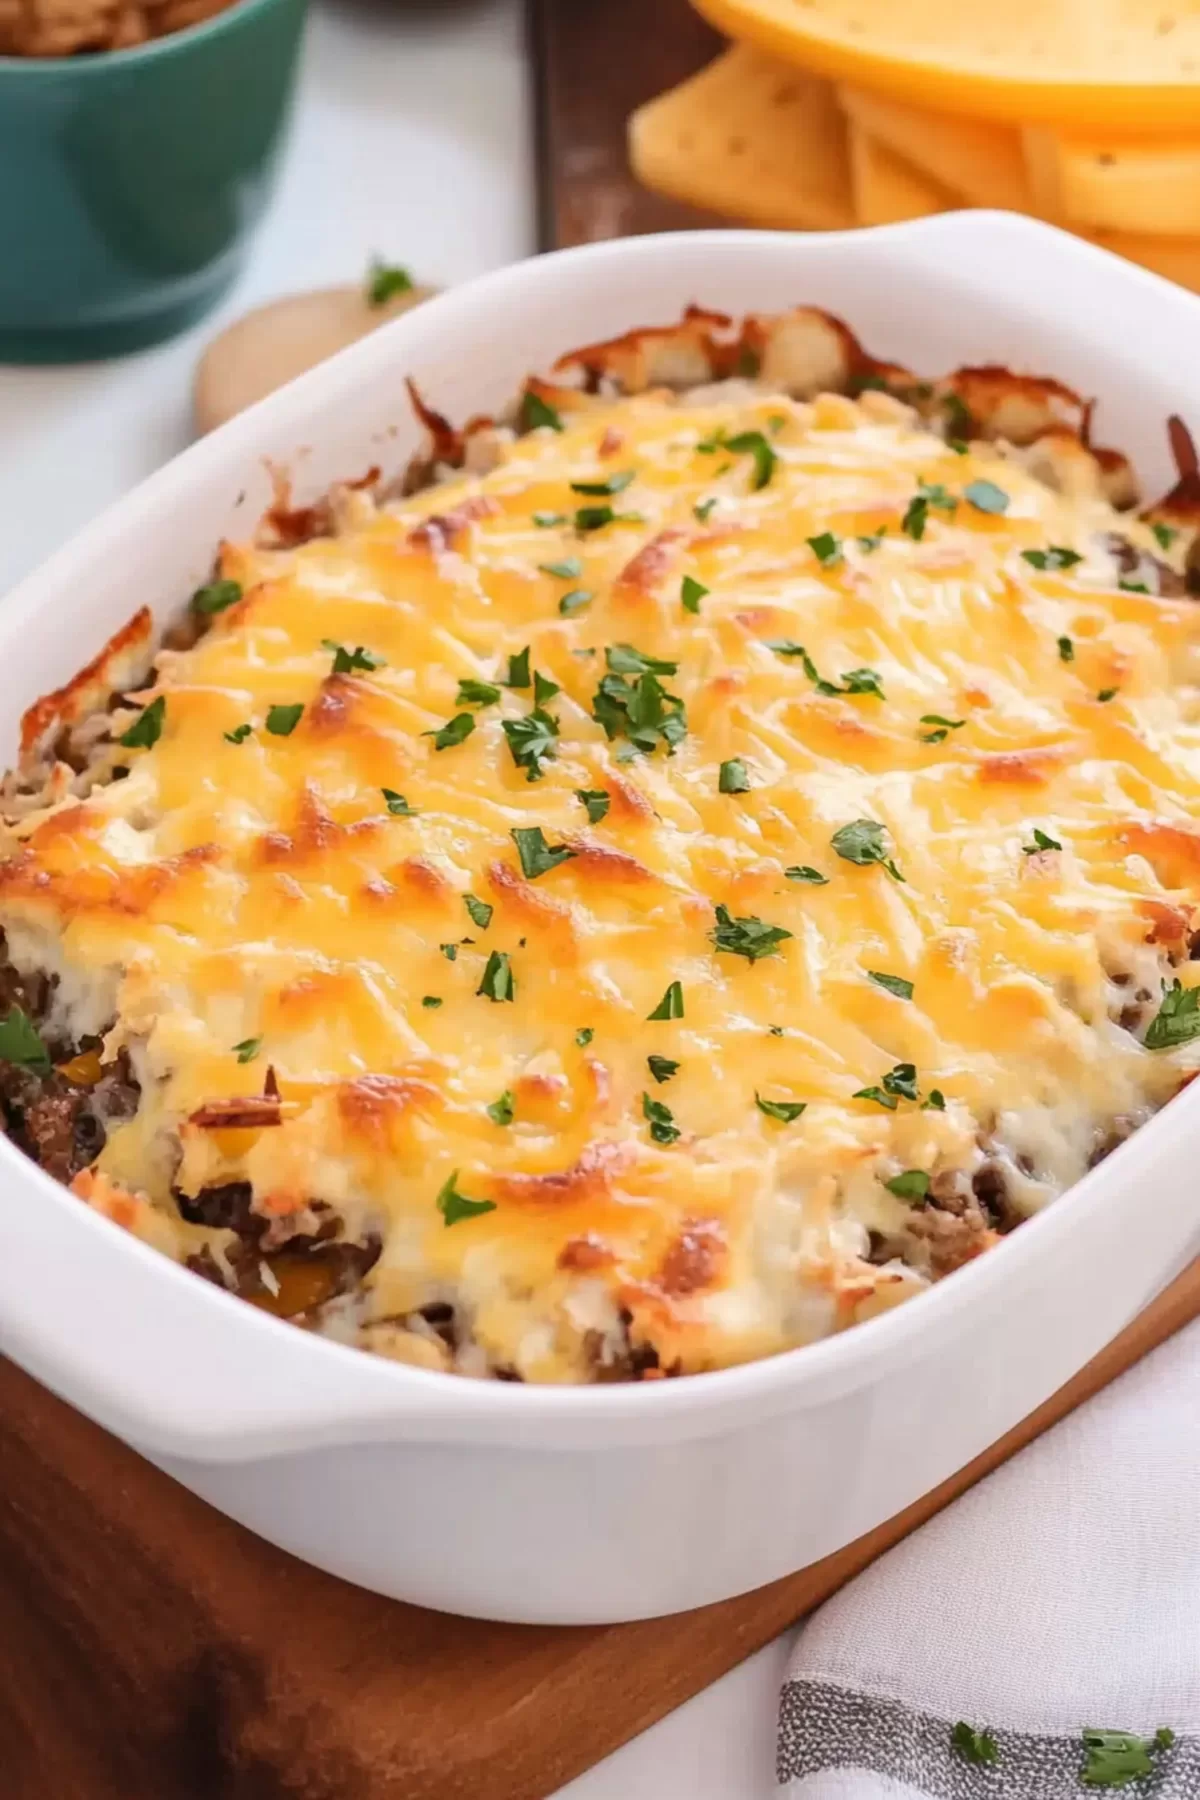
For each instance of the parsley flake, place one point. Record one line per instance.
(537, 856)
(641, 709)
(972, 1745)
(1116, 1758)
(497, 982)
(543, 519)
(570, 569)
(901, 1080)
(915, 518)
(385, 281)
(216, 596)
(1177, 1020)
(703, 508)
(662, 1068)
(671, 1004)
(476, 693)
(611, 484)
(575, 601)
(596, 802)
(454, 731)
(147, 728)
(1165, 535)
(239, 734)
(753, 443)
(431, 1001)
(895, 984)
(1106, 694)
(346, 662)
(248, 1049)
(750, 937)
(802, 872)
(449, 951)
(1055, 556)
(500, 1112)
(826, 548)
(283, 720)
(584, 1036)
(1041, 841)
(911, 1184)
(1066, 650)
(783, 1110)
(595, 518)
(661, 1120)
(986, 497)
(944, 728)
(479, 910)
(20, 1043)
(863, 842)
(454, 1206)
(544, 689)
(872, 541)
(397, 805)
(1132, 587)
(691, 593)
(536, 412)
(531, 741)
(733, 778)
(518, 669)
(879, 1095)
(624, 659)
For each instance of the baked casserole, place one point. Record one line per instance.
(707, 858)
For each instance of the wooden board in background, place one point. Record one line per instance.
(594, 61)
(150, 1649)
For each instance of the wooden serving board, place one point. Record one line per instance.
(150, 1649)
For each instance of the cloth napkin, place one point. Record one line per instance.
(1061, 1594)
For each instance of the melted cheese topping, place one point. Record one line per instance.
(259, 893)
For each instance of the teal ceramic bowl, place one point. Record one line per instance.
(131, 179)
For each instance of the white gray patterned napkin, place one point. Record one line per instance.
(1060, 1595)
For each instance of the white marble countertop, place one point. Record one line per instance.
(388, 89)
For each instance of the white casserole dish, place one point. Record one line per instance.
(614, 1502)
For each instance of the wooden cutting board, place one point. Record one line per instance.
(150, 1649)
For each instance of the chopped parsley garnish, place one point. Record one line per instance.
(1066, 650)
(611, 484)
(1177, 1020)
(944, 727)
(346, 662)
(449, 951)
(544, 689)
(531, 741)
(733, 778)
(584, 1036)
(537, 856)
(20, 1043)
(570, 569)
(972, 1745)
(661, 1120)
(863, 842)
(575, 602)
(691, 593)
(802, 872)
(826, 548)
(596, 802)
(595, 518)
(454, 1206)
(518, 669)
(536, 412)
(958, 416)
(479, 910)
(385, 281)
(871, 541)
(934, 1101)
(500, 1112)
(661, 1067)
(641, 710)
(1108, 693)
(216, 596)
(547, 518)
(753, 443)
(146, 729)
(248, 1049)
(671, 1004)
(239, 734)
(623, 659)
(497, 982)
(916, 515)
(783, 1110)
(1116, 1758)
(1055, 556)
(454, 731)
(901, 1080)
(863, 681)
(937, 496)
(1041, 841)
(431, 1001)
(1132, 587)
(750, 937)
(397, 805)
(476, 693)
(1165, 535)
(703, 508)
(855, 681)
(913, 1184)
(895, 984)
(878, 1095)
(986, 497)
(283, 720)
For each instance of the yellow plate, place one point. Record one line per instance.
(1130, 65)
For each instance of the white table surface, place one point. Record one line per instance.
(411, 139)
